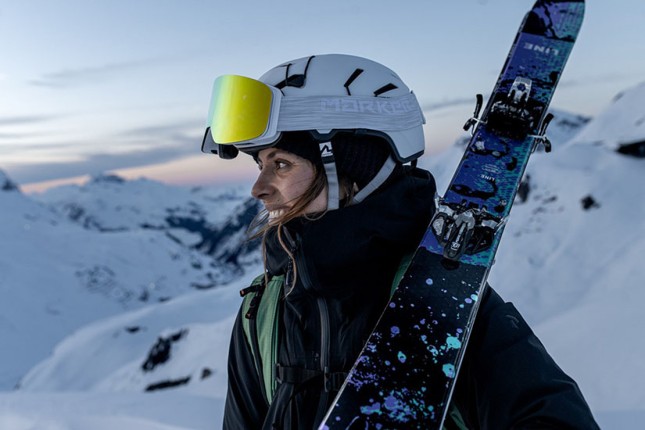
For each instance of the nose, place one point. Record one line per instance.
(262, 187)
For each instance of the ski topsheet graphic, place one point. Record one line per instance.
(406, 373)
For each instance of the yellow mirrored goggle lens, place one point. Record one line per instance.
(240, 109)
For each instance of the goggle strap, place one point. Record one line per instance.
(378, 180)
(327, 113)
(329, 163)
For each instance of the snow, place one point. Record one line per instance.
(616, 125)
(100, 304)
(60, 276)
(116, 351)
(107, 411)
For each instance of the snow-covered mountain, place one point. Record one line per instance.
(570, 260)
(212, 221)
(621, 126)
(66, 262)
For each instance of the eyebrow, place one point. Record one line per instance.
(275, 153)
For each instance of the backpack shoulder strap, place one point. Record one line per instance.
(260, 324)
(403, 266)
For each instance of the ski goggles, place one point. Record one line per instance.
(247, 114)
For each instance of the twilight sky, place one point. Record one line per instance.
(124, 85)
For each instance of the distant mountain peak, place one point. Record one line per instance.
(7, 184)
(107, 178)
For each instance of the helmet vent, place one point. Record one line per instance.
(296, 80)
(385, 89)
(351, 79)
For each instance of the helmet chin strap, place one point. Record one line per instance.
(378, 180)
(333, 184)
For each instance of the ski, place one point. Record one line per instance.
(406, 372)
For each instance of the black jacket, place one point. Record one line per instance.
(345, 265)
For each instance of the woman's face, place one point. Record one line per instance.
(283, 178)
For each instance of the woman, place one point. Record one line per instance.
(330, 135)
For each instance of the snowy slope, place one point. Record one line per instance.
(113, 369)
(172, 341)
(107, 411)
(622, 122)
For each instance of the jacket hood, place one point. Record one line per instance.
(354, 247)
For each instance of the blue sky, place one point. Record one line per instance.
(116, 85)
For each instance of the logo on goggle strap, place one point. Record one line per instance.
(387, 107)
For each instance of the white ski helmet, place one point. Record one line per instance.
(336, 92)
(321, 94)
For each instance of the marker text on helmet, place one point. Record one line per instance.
(378, 106)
